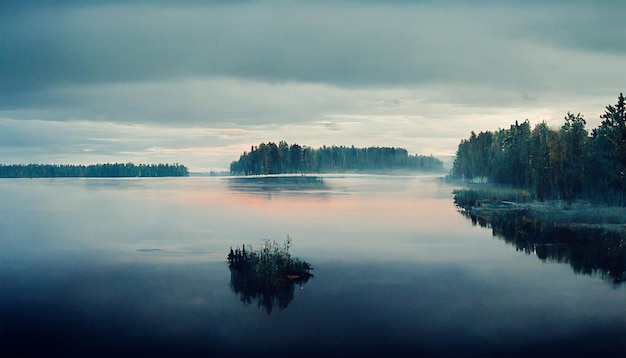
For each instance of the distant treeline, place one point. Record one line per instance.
(94, 170)
(283, 158)
(568, 163)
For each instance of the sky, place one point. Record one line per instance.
(199, 82)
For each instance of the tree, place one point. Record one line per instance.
(575, 155)
(295, 152)
(285, 158)
(515, 150)
(273, 159)
(539, 161)
(613, 130)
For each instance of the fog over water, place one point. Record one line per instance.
(138, 267)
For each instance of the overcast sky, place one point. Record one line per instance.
(198, 82)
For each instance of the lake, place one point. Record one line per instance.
(137, 267)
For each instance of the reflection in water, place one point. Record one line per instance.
(266, 293)
(392, 276)
(267, 276)
(277, 183)
(588, 249)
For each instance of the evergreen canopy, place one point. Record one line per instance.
(283, 158)
(568, 163)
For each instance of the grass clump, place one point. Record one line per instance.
(470, 197)
(267, 274)
(271, 262)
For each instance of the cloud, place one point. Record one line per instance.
(219, 102)
(419, 74)
(86, 142)
(341, 43)
(207, 101)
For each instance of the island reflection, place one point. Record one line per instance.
(268, 275)
(589, 249)
(268, 184)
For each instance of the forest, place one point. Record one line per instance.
(283, 158)
(567, 163)
(107, 170)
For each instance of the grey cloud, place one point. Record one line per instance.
(342, 43)
(40, 141)
(192, 102)
(580, 26)
(418, 74)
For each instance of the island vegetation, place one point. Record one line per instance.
(568, 163)
(282, 158)
(107, 170)
(267, 275)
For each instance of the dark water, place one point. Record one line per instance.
(137, 267)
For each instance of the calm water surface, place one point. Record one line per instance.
(137, 267)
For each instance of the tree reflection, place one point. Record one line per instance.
(294, 184)
(588, 249)
(268, 275)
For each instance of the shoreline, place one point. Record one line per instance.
(591, 238)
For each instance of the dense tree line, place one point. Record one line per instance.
(283, 158)
(568, 163)
(94, 170)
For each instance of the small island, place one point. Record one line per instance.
(267, 274)
(283, 158)
(107, 170)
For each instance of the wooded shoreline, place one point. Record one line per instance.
(569, 163)
(107, 170)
